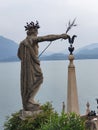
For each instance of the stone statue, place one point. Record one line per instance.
(31, 74)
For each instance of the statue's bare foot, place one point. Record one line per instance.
(33, 107)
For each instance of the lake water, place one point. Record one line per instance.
(54, 87)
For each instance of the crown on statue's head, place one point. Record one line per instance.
(32, 25)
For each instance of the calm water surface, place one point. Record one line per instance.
(54, 87)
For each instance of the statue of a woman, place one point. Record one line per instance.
(31, 74)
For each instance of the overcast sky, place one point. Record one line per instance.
(53, 16)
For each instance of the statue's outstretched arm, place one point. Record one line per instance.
(51, 37)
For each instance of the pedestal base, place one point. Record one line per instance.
(24, 114)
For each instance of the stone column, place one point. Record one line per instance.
(72, 95)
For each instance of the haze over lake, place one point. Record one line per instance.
(54, 87)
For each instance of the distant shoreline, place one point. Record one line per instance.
(5, 61)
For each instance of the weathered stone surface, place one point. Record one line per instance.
(31, 73)
(24, 114)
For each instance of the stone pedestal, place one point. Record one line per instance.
(72, 95)
(24, 114)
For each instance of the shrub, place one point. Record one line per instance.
(65, 122)
(47, 120)
(30, 123)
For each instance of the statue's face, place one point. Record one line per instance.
(33, 32)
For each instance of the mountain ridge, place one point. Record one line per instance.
(9, 48)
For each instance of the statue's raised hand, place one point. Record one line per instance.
(64, 36)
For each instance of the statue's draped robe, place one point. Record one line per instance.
(31, 74)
